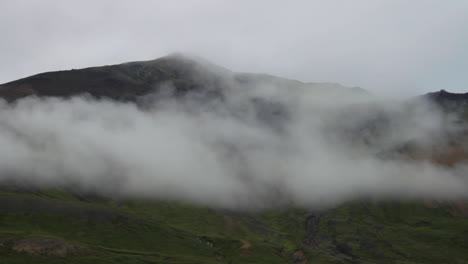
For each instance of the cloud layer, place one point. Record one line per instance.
(258, 147)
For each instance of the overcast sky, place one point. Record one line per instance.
(393, 47)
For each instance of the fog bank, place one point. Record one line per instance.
(257, 147)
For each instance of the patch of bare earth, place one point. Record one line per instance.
(44, 246)
(245, 248)
(245, 244)
(299, 257)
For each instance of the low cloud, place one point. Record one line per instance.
(257, 147)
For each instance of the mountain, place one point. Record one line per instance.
(454, 103)
(443, 96)
(121, 82)
(127, 81)
(64, 225)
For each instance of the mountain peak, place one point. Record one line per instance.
(121, 81)
(185, 73)
(444, 95)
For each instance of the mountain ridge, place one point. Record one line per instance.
(131, 79)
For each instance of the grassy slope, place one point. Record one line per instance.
(174, 232)
(394, 232)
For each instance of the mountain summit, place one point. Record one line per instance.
(122, 81)
(128, 80)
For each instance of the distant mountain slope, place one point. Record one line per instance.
(444, 96)
(455, 103)
(129, 80)
(123, 81)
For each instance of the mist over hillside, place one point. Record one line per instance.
(305, 132)
(182, 128)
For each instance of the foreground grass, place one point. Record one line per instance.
(142, 231)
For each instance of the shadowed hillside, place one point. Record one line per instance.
(129, 80)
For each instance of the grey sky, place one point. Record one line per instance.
(390, 47)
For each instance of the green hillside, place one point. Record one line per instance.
(54, 226)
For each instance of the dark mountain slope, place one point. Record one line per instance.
(129, 80)
(444, 96)
(120, 82)
(453, 103)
